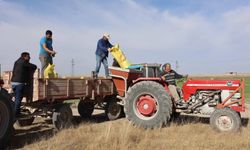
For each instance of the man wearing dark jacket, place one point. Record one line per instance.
(102, 51)
(20, 78)
(170, 76)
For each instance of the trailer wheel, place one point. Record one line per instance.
(62, 117)
(6, 121)
(148, 105)
(113, 110)
(85, 108)
(26, 121)
(225, 120)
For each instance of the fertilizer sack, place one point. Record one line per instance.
(50, 72)
(119, 57)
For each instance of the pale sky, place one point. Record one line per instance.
(204, 36)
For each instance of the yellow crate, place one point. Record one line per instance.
(119, 56)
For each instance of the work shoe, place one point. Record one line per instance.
(108, 77)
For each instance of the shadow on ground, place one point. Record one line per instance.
(43, 130)
(185, 119)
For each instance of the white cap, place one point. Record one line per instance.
(106, 35)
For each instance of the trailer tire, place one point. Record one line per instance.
(62, 117)
(225, 120)
(85, 108)
(148, 105)
(6, 121)
(113, 110)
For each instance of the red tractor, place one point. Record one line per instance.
(149, 104)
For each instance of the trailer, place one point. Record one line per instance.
(47, 97)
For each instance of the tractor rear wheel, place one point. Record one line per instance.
(148, 105)
(6, 121)
(225, 120)
(85, 108)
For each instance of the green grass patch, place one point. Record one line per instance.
(247, 88)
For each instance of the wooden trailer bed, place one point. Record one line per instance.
(45, 98)
(63, 88)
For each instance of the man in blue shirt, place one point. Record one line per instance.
(102, 51)
(46, 51)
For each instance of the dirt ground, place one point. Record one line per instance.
(42, 129)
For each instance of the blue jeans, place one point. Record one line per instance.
(104, 61)
(18, 92)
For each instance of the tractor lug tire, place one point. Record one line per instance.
(225, 120)
(162, 100)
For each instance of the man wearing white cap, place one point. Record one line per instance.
(102, 51)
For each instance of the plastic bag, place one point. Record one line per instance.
(50, 72)
(120, 57)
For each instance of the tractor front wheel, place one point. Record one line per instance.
(148, 105)
(225, 120)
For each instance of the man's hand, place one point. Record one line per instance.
(53, 53)
(109, 49)
(163, 78)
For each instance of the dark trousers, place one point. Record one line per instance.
(45, 61)
(18, 92)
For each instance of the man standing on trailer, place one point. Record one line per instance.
(20, 78)
(46, 51)
(102, 51)
(170, 76)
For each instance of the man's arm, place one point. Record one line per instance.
(110, 45)
(162, 75)
(30, 66)
(43, 43)
(178, 76)
(48, 50)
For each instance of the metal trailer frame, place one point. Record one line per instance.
(46, 96)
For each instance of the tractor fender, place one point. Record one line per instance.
(158, 80)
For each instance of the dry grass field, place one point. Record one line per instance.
(120, 135)
(97, 133)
